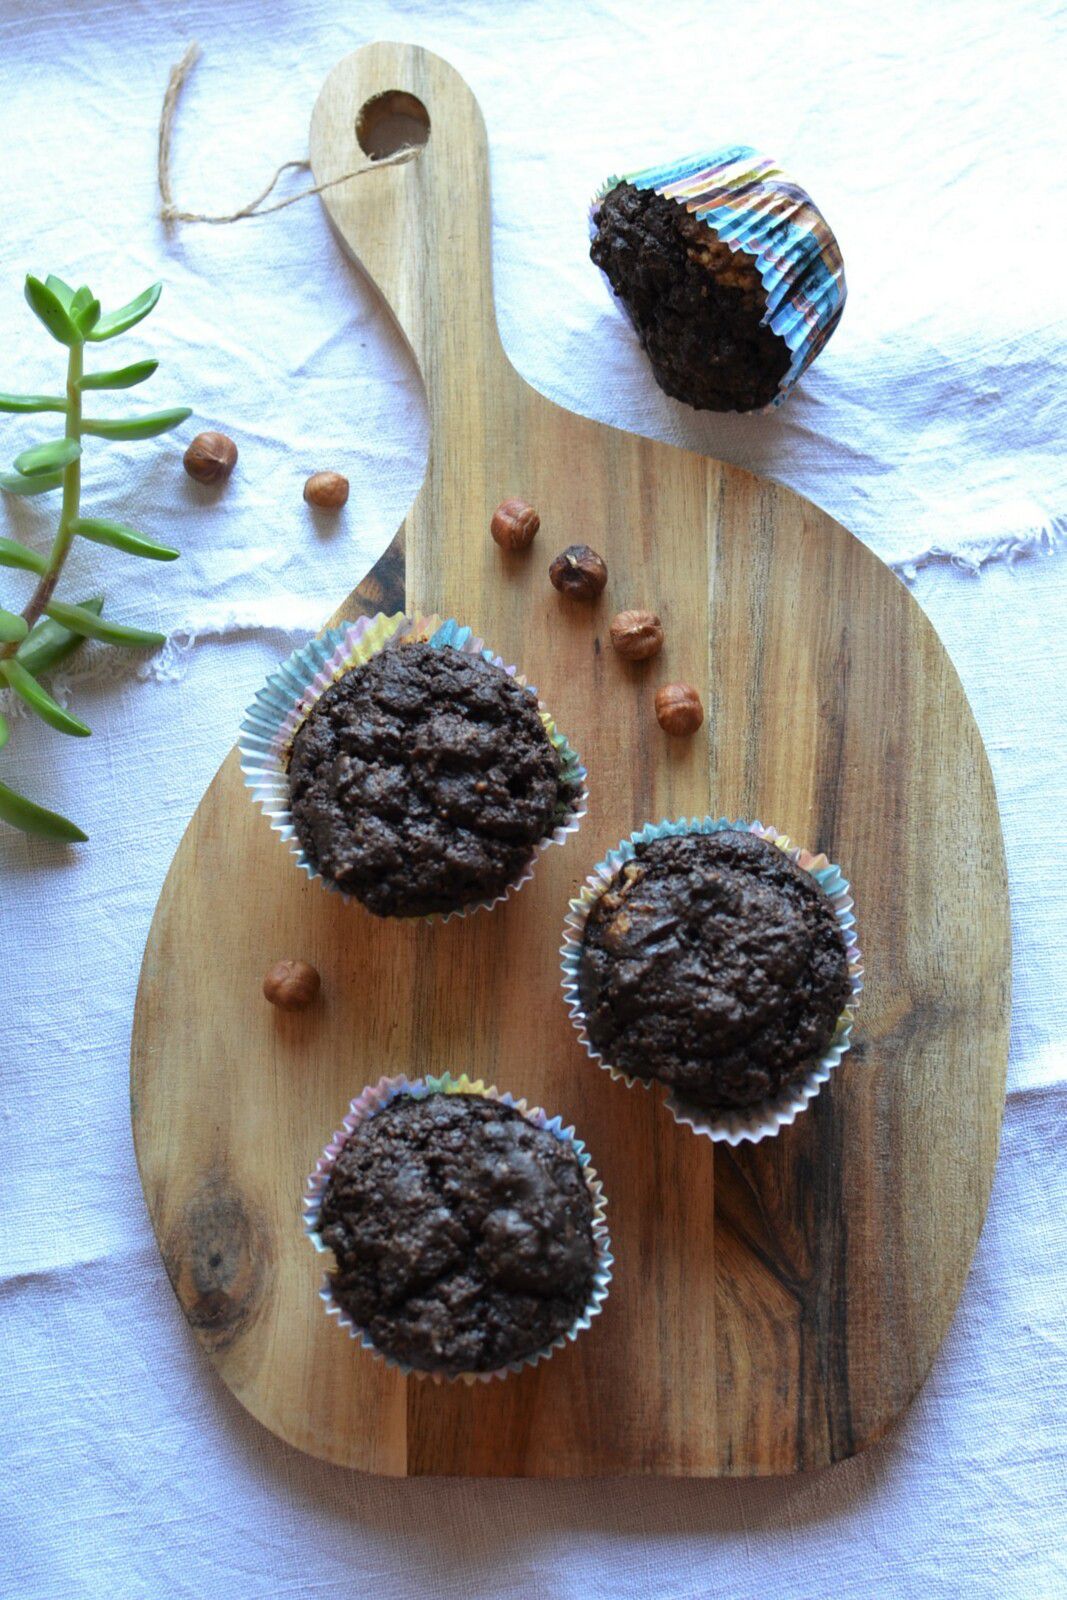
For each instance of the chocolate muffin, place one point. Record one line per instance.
(423, 781)
(698, 306)
(715, 964)
(462, 1232)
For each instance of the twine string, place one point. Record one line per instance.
(170, 211)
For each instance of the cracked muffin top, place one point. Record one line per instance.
(715, 964)
(423, 781)
(462, 1232)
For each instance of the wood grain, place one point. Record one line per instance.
(774, 1308)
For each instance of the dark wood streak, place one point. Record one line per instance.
(827, 1327)
(825, 1330)
(219, 1259)
(783, 1205)
(383, 589)
(922, 1017)
(742, 1208)
(833, 733)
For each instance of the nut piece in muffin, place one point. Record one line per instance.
(462, 1233)
(423, 781)
(714, 964)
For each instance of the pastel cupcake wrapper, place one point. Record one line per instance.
(750, 1123)
(368, 1104)
(752, 206)
(282, 705)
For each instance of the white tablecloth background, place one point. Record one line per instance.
(935, 418)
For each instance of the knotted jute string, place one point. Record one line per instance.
(170, 212)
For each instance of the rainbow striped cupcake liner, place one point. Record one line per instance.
(283, 703)
(750, 204)
(368, 1104)
(749, 1123)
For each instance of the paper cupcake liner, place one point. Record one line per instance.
(751, 205)
(748, 1123)
(366, 1105)
(282, 705)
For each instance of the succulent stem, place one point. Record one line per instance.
(72, 482)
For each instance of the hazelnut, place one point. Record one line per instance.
(210, 458)
(678, 708)
(578, 572)
(326, 490)
(514, 525)
(637, 635)
(291, 985)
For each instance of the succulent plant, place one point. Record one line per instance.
(48, 630)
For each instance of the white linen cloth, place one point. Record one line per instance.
(935, 417)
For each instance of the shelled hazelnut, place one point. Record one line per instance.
(678, 709)
(327, 491)
(210, 458)
(578, 572)
(637, 635)
(291, 985)
(514, 525)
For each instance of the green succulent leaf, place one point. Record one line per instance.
(120, 536)
(30, 818)
(13, 628)
(50, 309)
(127, 316)
(146, 427)
(13, 554)
(117, 377)
(5, 732)
(25, 403)
(28, 689)
(62, 291)
(87, 315)
(49, 643)
(80, 620)
(15, 483)
(47, 458)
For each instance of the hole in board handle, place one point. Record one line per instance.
(391, 121)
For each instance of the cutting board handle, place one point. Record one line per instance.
(420, 229)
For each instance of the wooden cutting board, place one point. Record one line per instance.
(776, 1307)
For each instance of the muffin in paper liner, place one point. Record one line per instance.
(726, 1125)
(752, 206)
(374, 1098)
(282, 705)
